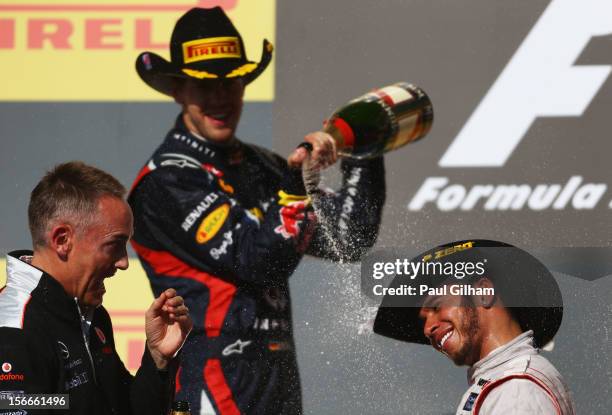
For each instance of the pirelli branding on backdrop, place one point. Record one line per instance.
(84, 50)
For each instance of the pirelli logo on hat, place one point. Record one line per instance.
(211, 48)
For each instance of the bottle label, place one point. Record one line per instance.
(392, 95)
(382, 120)
(410, 128)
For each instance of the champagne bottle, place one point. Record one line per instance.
(180, 408)
(380, 121)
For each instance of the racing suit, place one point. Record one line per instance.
(516, 379)
(226, 226)
(48, 346)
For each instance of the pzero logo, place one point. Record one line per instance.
(539, 81)
(6, 367)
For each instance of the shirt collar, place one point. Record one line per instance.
(520, 345)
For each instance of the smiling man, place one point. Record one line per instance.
(227, 222)
(56, 336)
(514, 308)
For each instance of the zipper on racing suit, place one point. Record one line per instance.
(85, 339)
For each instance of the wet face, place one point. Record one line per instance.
(452, 326)
(101, 249)
(211, 108)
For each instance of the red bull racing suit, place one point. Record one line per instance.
(226, 227)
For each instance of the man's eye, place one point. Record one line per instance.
(115, 246)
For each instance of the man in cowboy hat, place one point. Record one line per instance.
(491, 319)
(227, 223)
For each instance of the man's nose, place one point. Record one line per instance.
(220, 91)
(123, 263)
(431, 325)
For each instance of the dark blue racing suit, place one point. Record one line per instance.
(226, 227)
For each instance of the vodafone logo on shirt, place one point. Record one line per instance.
(7, 375)
(6, 367)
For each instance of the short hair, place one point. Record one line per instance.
(69, 192)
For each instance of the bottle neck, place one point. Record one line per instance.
(342, 134)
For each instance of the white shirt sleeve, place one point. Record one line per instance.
(518, 397)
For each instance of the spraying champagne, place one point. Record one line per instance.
(380, 121)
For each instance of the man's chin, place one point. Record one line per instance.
(221, 136)
(458, 359)
(92, 302)
(458, 362)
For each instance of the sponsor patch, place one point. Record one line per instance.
(63, 350)
(100, 334)
(482, 382)
(146, 59)
(12, 377)
(291, 217)
(257, 212)
(236, 347)
(286, 199)
(227, 188)
(448, 251)
(211, 48)
(279, 346)
(470, 401)
(73, 364)
(6, 367)
(266, 324)
(196, 213)
(291, 214)
(5, 395)
(78, 380)
(222, 249)
(212, 223)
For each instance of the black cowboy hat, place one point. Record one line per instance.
(204, 45)
(525, 286)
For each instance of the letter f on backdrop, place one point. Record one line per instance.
(539, 81)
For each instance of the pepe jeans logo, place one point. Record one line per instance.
(535, 84)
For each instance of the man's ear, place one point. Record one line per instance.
(61, 240)
(484, 300)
